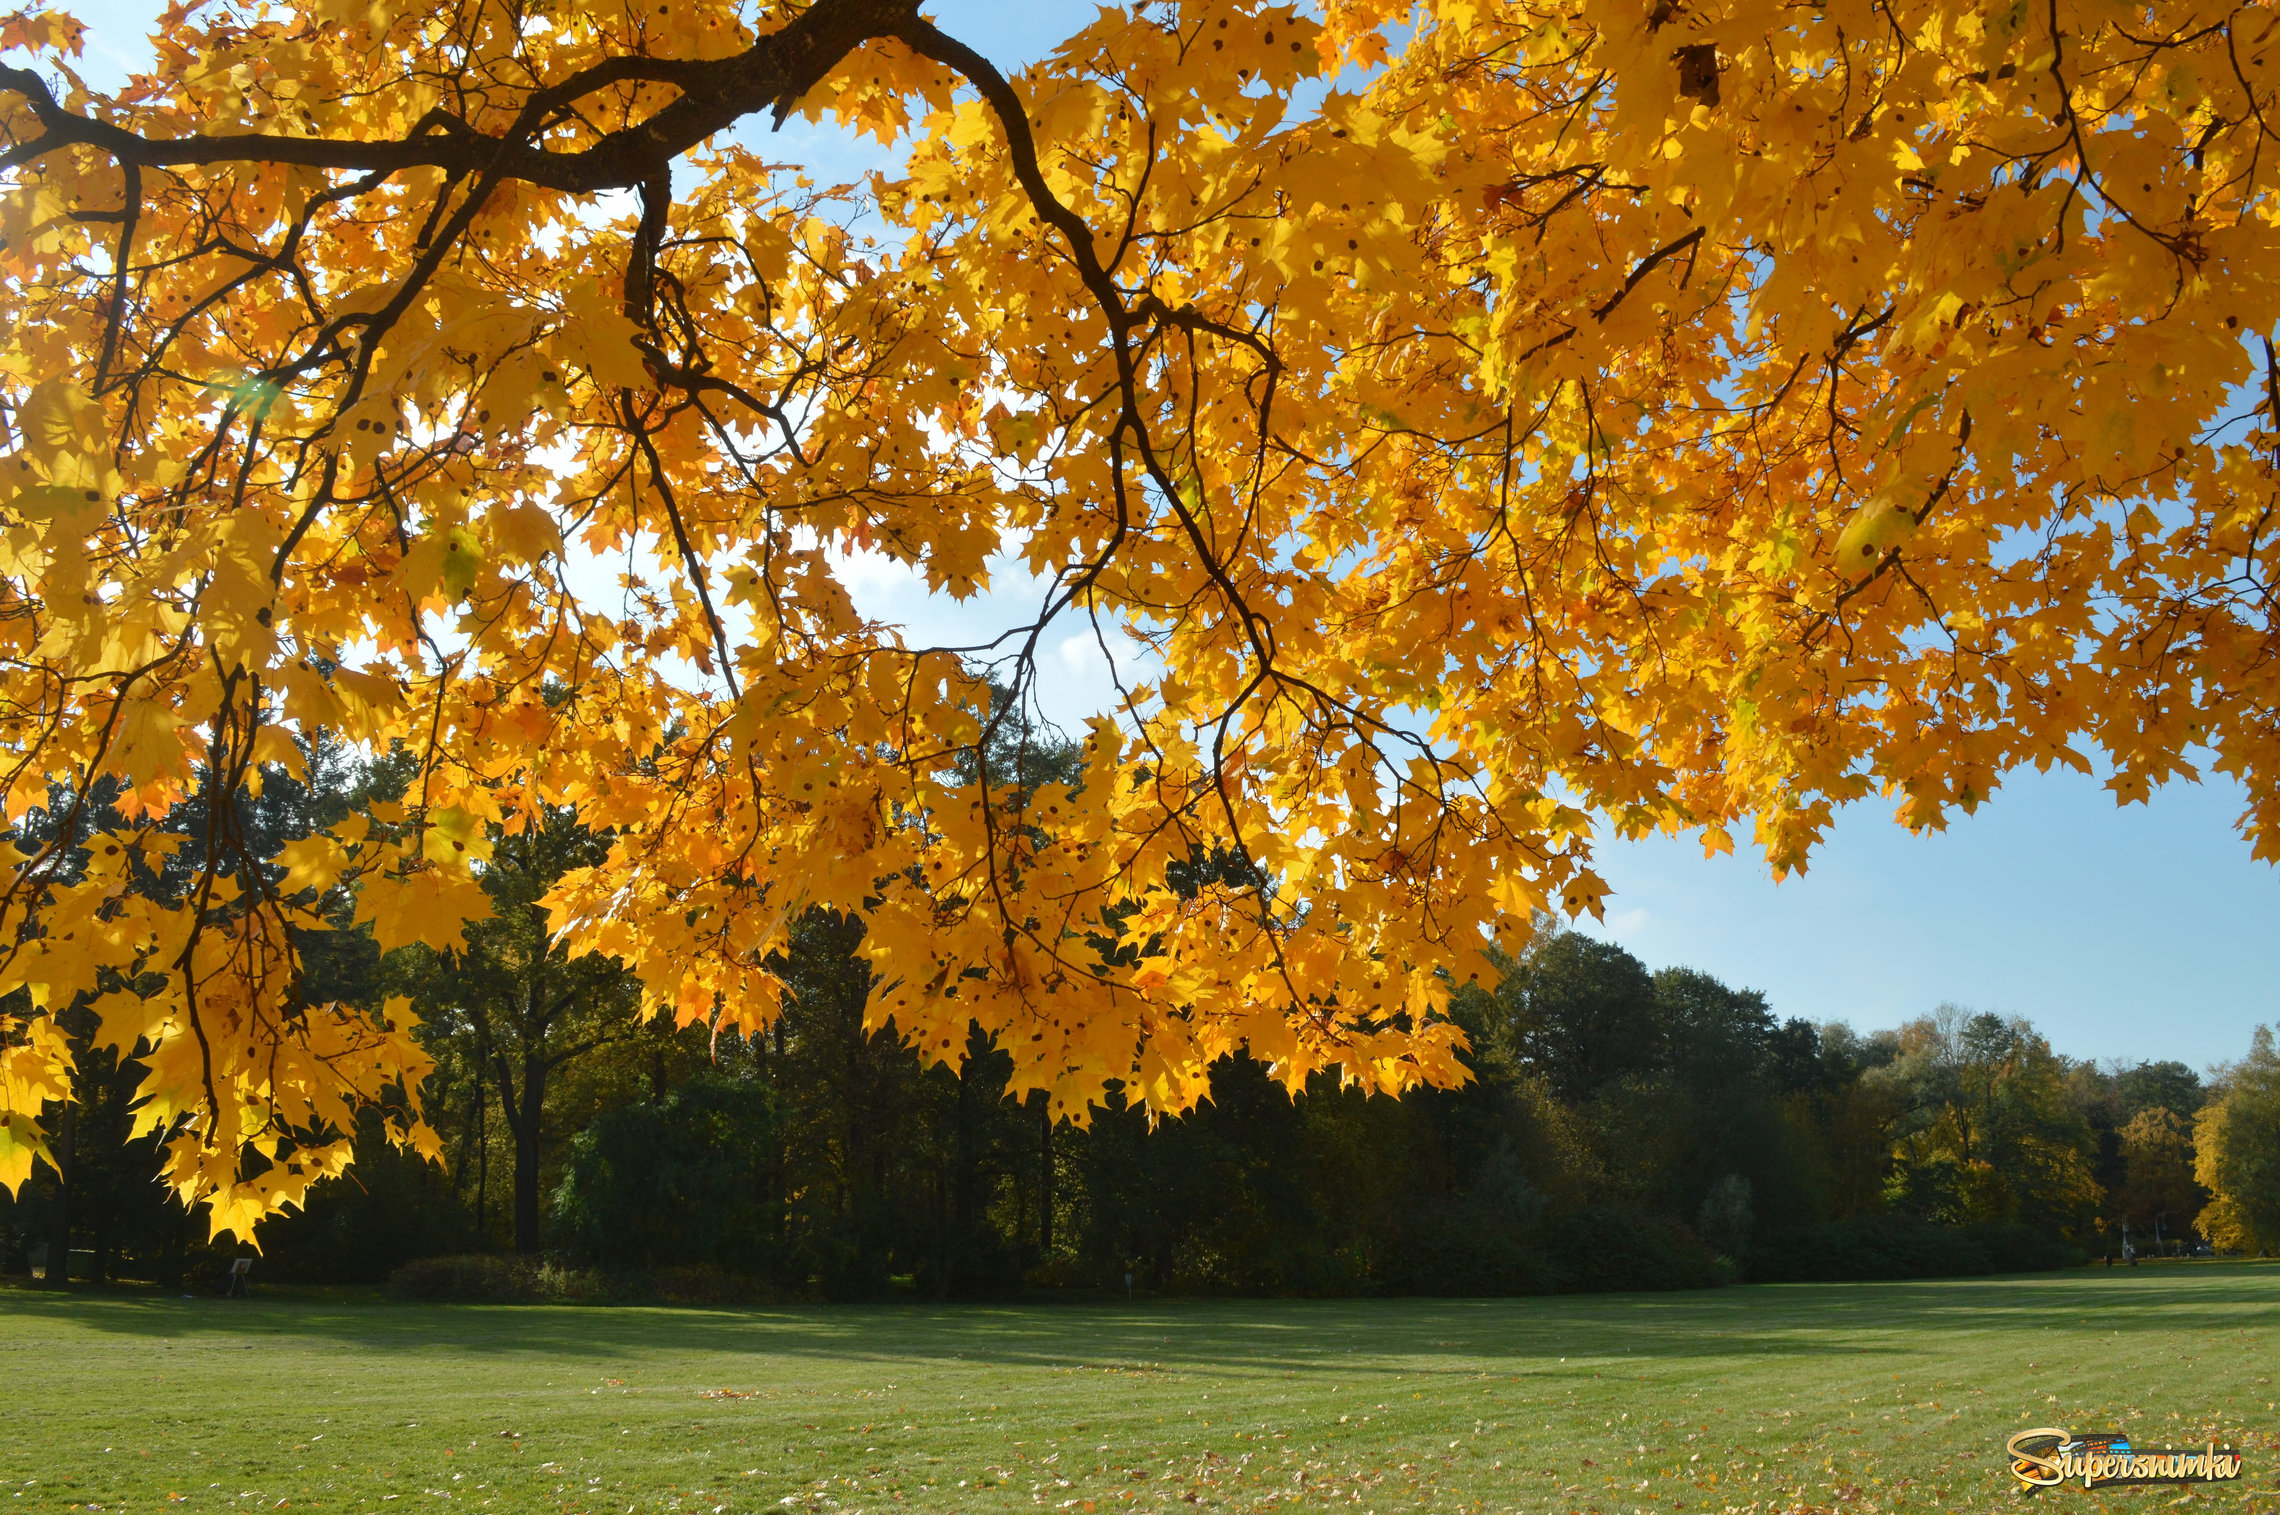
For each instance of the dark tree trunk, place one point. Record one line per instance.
(526, 1127)
(483, 1170)
(172, 1251)
(1045, 1175)
(59, 1218)
(779, 1184)
(966, 1187)
(465, 1163)
(482, 1113)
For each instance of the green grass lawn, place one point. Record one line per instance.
(1848, 1397)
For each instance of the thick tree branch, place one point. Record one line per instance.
(770, 75)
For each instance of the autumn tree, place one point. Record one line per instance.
(1580, 418)
(2159, 1195)
(2168, 1085)
(2236, 1152)
(1849, 1117)
(1992, 1131)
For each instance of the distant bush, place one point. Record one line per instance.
(1454, 1255)
(492, 1278)
(980, 1262)
(695, 1285)
(1588, 1251)
(489, 1278)
(1603, 1250)
(1885, 1247)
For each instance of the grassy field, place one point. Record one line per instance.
(1856, 1397)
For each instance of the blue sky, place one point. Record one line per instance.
(2124, 934)
(2147, 932)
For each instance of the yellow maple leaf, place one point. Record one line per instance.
(427, 905)
(311, 863)
(146, 742)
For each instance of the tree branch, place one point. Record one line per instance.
(772, 74)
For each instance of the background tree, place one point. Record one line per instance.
(522, 1008)
(2113, 1099)
(1993, 1131)
(2159, 1197)
(2236, 1152)
(1583, 1013)
(1726, 1052)
(1848, 1121)
(2167, 1085)
(681, 1180)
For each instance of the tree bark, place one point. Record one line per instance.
(59, 1217)
(482, 1165)
(526, 1155)
(966, 1183)
(173, 1250)
(1045, 1176)
(779, 1183)
(482, 1113)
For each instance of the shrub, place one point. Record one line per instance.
(477, 1278)
(695, 1285)
(1453, 1254)
(1725, 1219)
(491, 1278)
(1598, 1250)
(1890, 1246)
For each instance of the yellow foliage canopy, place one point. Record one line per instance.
(1683, 416)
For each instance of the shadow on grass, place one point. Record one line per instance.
(1590, 1332)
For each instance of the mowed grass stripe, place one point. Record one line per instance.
(1845, 1396)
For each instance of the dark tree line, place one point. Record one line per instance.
(1623, 1129)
